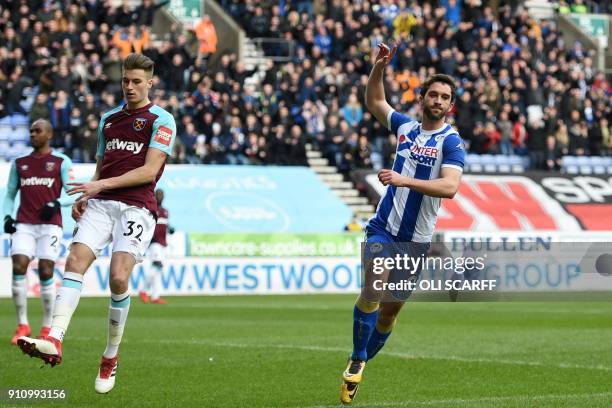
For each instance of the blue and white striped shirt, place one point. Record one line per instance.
(408, 215)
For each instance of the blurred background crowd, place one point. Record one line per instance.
(522, 88)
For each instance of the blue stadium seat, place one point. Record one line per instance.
(4, 147)
(20, 133)
(488, 163)
(503, 163)
(472, 162)
(599, 164)
(569, 164)
(516, 164)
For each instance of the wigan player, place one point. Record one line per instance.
(428, 167)
(157, 253)
(37, 232)
(117, 205)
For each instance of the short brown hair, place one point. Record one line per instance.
(445, 79)
(139, 61)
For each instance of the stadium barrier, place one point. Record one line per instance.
(496, 211)
(529, 202)
(219, 199)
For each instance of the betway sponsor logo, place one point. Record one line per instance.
(117, 144)
(37, 181)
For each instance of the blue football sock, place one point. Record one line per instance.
(376, 343)
(363, 325)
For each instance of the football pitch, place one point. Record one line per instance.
(289, 351)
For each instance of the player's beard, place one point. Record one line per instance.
(427, 111)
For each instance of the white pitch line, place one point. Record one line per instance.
(454, 401)
(406, 356)
(599, 367)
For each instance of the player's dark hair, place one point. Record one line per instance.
(139, 61)
(445, 79)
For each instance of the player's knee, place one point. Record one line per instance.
(118, 284)
(366, 304)
(20, 264)
(74, 263)
(389, 311)
(20, 268)
(386, 321)
(45, 269)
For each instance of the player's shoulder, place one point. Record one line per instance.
(452, 139)
(111, 112)
(22, 159)
(162, 115)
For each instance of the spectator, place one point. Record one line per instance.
(207, 36)
(364, 154)
(352, 111)
(493, 138)
(145, 13)
(131, 39)
(536, 143)
(87, 141)
(189, 140)
(40, 108)
(505, 128)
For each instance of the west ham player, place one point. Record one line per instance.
(37, 232)
(117, 205)
(157, 253)
(428, 166)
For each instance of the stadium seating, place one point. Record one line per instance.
(587, 165)
(488, 163)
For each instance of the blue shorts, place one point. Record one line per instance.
(380, 243)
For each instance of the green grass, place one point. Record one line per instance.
(289, 351)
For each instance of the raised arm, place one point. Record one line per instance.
(375, 91)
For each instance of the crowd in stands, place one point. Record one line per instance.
(521, 88)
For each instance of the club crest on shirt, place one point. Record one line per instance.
(50, 166)
(139, 124)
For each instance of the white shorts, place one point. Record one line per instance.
(129, 228)
(37, 240)
(156, 252)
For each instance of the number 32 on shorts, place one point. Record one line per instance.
(133, 227)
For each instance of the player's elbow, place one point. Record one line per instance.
(149, 175)
(451, 191)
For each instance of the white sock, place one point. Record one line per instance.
(155, 276)
(47, 295)
(20, 298)
(149, 279)
(66, 303)
(117, 316)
